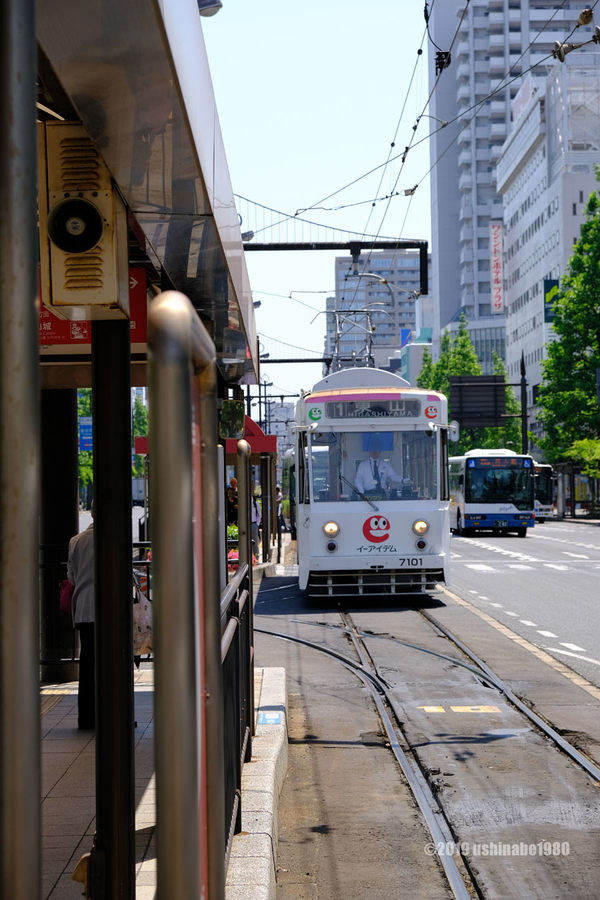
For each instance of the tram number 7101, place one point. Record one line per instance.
(406, 561)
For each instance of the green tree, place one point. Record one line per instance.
(140, 429)
(426, 373)
(569, 407)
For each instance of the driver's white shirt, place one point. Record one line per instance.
(365, 480)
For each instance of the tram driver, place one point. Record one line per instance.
(374, 474)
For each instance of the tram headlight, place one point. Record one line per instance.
(420, 526)
(331, 529)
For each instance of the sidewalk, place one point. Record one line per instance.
(68, 791)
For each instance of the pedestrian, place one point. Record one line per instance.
(80, 572)
(278, 506)
(232, 502)
(256, 520)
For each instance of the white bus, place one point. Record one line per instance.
(371, 486)
(543, 491)
(491, 490)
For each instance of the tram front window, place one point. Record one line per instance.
(348, 466)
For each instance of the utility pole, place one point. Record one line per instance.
(524, 438)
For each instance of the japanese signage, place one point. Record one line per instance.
(53, 330)
(499, 462)
(372, 409)
(496, 271)
(85, 433)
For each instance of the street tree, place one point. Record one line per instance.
(569, 406)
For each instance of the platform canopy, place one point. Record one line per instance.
(136, 75)
(259, 443)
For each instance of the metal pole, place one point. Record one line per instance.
(177, 687)
(112, 864)
(245, 551)
(20, 842)
(524, 437)
(213, 668)
(179, 347)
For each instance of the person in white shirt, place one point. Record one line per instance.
(374, 473)
(80, 572)
(256, 520)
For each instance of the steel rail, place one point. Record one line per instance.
(432, 813)
(569, 749)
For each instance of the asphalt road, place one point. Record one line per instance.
(545, 587)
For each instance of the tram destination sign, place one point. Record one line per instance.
(373, 409)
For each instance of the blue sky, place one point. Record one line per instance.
(310, 97)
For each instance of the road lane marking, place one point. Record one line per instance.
(511, 614)
(596, 662)
(479, 567)
(573, 647)
(548, 633)
(468, 709)
(540, 654)
(527, 622)
(576, 555)
(555, 566)
(518, 566)
(432, 709)
(497, 605)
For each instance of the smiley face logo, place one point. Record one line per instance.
(315, 413)
(376, 529)
(431, 412)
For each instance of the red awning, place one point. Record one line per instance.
(258, 440)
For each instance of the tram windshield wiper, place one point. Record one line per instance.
(361, 495)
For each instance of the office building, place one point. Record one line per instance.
(496, 41)
(545, 175)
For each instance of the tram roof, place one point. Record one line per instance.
(136, 74)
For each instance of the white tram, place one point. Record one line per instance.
(371, 486)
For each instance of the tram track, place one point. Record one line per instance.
(459, 873)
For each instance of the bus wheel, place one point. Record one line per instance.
(521, 532)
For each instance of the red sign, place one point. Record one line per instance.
(53, 330)
(376, 529)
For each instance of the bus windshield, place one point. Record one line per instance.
(500, 485)
(350, 466)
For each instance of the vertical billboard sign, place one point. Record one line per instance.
(550, 296)
(496, 270)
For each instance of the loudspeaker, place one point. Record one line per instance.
(83, 228)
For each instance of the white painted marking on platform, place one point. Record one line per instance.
(548, 633)
(573, 647)
(596, 662)
(527, 622)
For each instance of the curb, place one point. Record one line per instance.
(253, 863)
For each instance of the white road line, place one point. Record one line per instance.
(479, 567)
(555, 566)
(548, 633)
(516, 615)
(576, 555)
(481, 597)
(472, 592)
(575, 655)
(518, 566)
(497, 605)
(527, 622)
(573, 647)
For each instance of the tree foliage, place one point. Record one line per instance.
(459, 357)
(570, 411)
(140, 429)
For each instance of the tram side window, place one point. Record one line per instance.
(303, 496)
